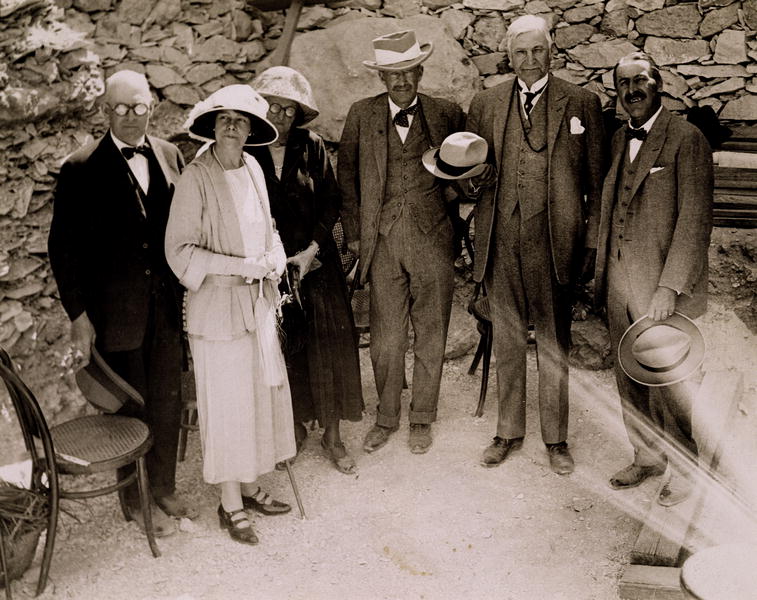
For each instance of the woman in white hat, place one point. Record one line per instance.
(221, 244)
(321, 348)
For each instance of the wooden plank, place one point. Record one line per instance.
(641, 582)
(736, 223)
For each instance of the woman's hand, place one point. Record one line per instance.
(304, 260)
(253, 269)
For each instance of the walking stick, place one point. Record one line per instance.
(294, 489)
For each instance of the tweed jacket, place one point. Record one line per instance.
(361, 169)
(667, 224)
(105, 255)
(575, 165)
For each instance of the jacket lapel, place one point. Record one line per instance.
(650, 150)
(557, 100)
(501, 110)
(378, 124)
(433, 119)
(161, 157)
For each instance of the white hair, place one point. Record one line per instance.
(526, 24)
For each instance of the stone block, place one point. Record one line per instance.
(615, 22)
(92, 5)
(602, 55)
(489, 31)
(203, 72)
(457, 21)
(582, 14)
(711, 3)
(536, 7)
(673, 52)
(401, 8)
(732, 84)
(673, 84)
(183, 95)
(572, 35)
(679, 21)
(731, 47)
(646, 5)
(717, 20)
(487, 64)
(741, 109)
(161, 76)
(749, 9)
(134, 11)
(315, 16)
(216, 48)
(712, 71)
(502, 5)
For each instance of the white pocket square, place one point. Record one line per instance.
(655, 169)
(575, 126)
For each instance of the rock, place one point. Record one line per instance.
(182, 95)
(713, 103)
(591, 344)
(711, 3)
(22, 267)
(437, 4)
(489, 31)
(160, 76)
(572, 76)
(602, 55)
(729, 85)
(669, 52)
(679, 21)
(502, 5)
(572, 35)
(200, 73)
(614, 22)
(314, 16)
(741, 109)
(674, 85)
(494, 80)
(488, 64)
(717, 20)
(536, 7)
(646, 5)
(92, 5)
(731, 47)
(581, 504)
(216, 48)
(749, 8)
(561, 4)
(401, 8)
(135, 12)
(457, 21)
(713, 70)
(341, 49)
(582, 13)
(463, 336)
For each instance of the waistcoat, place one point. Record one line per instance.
(622, 200)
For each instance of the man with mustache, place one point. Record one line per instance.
(545, 139)
(654, 231)
(396, 219)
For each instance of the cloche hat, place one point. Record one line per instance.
(461, 155)
(398, 51)
(238, 97)
(288, 83)
(103, 387)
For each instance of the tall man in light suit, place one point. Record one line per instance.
(545, 140)
(654, 233)
(106, 250)
(395, 217)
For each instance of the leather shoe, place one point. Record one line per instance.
(162, 524)
(675, 491)
(498, 450)
(634, 474)
(560, 460)
(265, 504)
(176, 507)
(377, 437)
(238, 525)
(420, 438)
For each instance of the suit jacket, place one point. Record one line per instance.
(574, 154)
(361, 169)
(105, 255)
(668, 222)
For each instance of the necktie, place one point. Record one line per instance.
(633, 133)
(130, 151)
(528, 103)
(401, 117)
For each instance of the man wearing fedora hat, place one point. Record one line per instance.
(396, 218)
(106, 251)
(653, 236)
(545, 137)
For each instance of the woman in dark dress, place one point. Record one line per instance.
(320, 341)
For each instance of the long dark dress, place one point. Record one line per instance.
(320, 346)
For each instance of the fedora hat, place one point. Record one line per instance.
(238, 97)
(657, 353)
(461, 155)
(285, 82)
(103, 387)
(398, 51)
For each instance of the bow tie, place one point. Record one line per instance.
(639, 134)
(401, 117)
(130, 151)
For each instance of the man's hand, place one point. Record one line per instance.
(486, 179)
(354, 247)
(82, 340)
(663, 304)
(303, 260)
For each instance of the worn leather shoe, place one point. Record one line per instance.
(675, 491)
(420, 438)
(377, 437)
(634, 475)
(497, 451)
(560, 460)
(238, 524)
(162, 524)
(174, 506)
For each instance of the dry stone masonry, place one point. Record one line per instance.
(55, 54)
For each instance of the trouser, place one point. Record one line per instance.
(154, 370)
(522, 289)
(411, 280)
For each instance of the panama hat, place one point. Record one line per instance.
(103, 387)
(285, 82)
(461, 155)
(238, 97)
(398, 52)
(657, 353)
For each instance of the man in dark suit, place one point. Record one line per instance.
(653, 236)
(395, 217)
(106, 250)
(545, 141)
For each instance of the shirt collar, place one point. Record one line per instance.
(394, 109)
(537, 87)
(648, 125)
(121, 145)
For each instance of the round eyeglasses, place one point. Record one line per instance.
(123, 109)
(289, 111)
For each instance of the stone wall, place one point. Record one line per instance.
(54, 55)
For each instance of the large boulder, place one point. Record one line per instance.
(339, 78)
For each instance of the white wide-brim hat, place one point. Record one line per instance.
(240, 98)
(657, 353)
(288, 83)
(398, 51)
(461, 155)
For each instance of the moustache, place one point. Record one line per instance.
(635, 96)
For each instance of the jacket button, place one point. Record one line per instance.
(147, 271)
(145, 245)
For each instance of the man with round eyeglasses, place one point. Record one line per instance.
(106, 251)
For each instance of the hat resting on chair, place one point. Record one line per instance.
(103, 387)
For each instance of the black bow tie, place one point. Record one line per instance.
(130, 151)
(639, 134)
(401, 117)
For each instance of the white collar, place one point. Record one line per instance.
(394, 109)
(648, 125)
(121, 145)
(536, 88)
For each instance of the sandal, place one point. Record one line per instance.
(238, 525)
(337, 454)
(265, 504)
